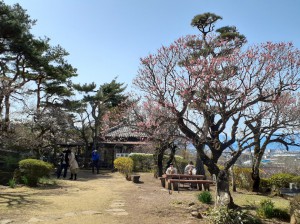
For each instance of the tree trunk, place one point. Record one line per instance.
(258, 154)
(1, 109)
(38, 96)
(172, 154)
(7, 112)
(223, 196)
(255, 173)
(233, 179)
(86, 154)
(160, 157)
(199, 165)
(158, 161)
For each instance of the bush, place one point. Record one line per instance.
(205, 197)
(222, 215)
(10, 162)
(24, 180)
(266, 209)
(124, 165)
(296, 179)
(142, 162)
(12, 183)
(243, 177)
(34, 169)
(265, 185)
(179, 163)
(281, 180)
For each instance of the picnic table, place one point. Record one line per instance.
(172, 181)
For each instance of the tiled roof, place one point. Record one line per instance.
(125, 131)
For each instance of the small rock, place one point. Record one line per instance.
(196, 215)
(192, 203)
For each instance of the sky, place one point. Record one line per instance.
(107, 38)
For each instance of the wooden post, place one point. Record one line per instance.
(135, 178)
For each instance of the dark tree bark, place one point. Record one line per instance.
(7, 113)
(172, 154)
(255, 171)
(158, 160)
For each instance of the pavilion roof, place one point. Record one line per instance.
(125, 131)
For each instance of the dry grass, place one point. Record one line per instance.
(244, 199)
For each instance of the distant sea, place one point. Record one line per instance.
(271, 146)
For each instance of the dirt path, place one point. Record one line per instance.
(103, 198)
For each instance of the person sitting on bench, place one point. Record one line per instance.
(171, 169)
(189, 168)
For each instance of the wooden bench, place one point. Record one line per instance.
(182, 176)
(173, 184)
(165, 177)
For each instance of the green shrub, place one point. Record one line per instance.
(205, 197)
(179, 163)
(243, 178)
(142, 162)
(266, 209)
(124, 165)
(24, 180)
(265, 182)
(265, 185)
(12, 183)
(296, 179)
(281, 180)
(9, 162)
(34, 169)
(222, 215)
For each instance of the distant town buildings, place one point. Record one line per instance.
(273, 157)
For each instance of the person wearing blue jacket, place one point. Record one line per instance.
(95, 160)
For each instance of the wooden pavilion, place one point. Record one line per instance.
(120, 140)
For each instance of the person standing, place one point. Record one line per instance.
(64, 164)
(73, 166)
(95, 160)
